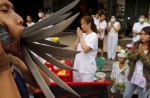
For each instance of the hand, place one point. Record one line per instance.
(13, 48)
(79, 32)
(109, 24)
(141, 49)
(112, 24)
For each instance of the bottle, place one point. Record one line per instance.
(4, 35)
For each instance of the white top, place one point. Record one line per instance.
(138, 26)
(112, 31)
(102, 25)
(96, 22)
(139, 66)
(116, 73)
(85, 62)
(30, 24)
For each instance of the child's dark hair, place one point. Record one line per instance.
(103, 14)
(89, 19)
(42, 10)
(147, 31)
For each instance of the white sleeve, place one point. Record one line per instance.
(113, 71)
(93, 41)
(134, 27)
(104, 26)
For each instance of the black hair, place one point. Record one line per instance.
(143, 15)
(147, 31)
(43, 11)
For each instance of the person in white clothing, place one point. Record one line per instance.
(137, 27)
(29, 21)
(42, 14)
(112, 29)
(119, 73)
(101, 33)
(139, 73)
(87, 43)
(96, 19)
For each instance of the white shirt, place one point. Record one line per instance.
(96, 22)
(85, 62)
(112, 31)
(139, 66)
(102, 25)
(116, 73)
(138, 27)
(30, 24)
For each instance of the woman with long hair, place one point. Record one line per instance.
(87, 43)
(140, 69)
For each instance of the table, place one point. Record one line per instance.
(84, 89)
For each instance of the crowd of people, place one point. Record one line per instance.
(130, 70)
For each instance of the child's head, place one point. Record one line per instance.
(122, 57)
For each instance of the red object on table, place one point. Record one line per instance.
(68, 75)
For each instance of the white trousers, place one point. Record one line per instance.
(82, 77)
(112, 46)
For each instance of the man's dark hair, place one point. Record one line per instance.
(43, 11)
(103, 14)
(143, 15)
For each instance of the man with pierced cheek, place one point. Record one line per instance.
(11, 65)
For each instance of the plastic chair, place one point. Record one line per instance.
(100, 61)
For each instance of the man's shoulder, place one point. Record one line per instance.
(146, 24)
(137, 23)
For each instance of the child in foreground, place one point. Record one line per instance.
(119, 74)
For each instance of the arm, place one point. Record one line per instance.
(145, 59)
(28, 77)
(100, 30)
(84, 46)
(108, 27)
(76, 43)
(7, 83)
(134, 29)
(133, 54)
(112, 72)
(116, 28)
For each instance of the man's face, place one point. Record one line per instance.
(102, 17)
(12, 20)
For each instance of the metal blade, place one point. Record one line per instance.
(55, 51)
(52, 43)
(54, 61)
(59, 19)
(47, 92)
(53, 76)
(62, 33)
(40, 24)
(44, 33)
